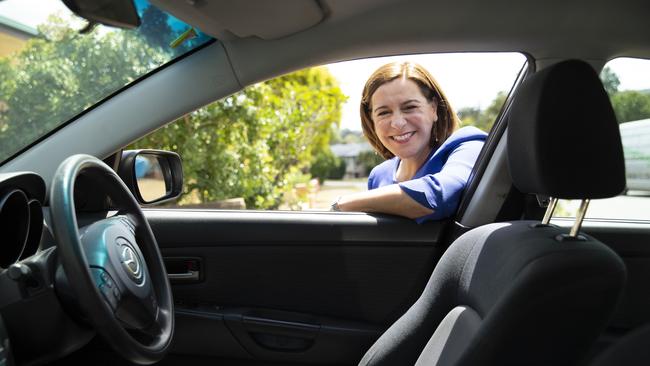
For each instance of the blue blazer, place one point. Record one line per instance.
(440, 181)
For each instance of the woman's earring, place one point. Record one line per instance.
(434, 128)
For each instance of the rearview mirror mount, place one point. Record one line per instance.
(113, 13)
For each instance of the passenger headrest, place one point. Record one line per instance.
(563, 138)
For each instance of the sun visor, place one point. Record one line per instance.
(246, 18)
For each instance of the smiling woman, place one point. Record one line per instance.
(408, 120)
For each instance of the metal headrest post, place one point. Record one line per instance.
(549, 211)
(579, 217)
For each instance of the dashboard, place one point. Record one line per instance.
(21, 216)
(51, 301)
(21, 222)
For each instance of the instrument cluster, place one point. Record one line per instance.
(21, 216)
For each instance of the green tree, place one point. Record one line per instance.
(352, 137)
(327, 166)
(610, 80)
(346, 136)
(483, 119)
(631, 105)
(369, 160)
(59, 75)
(469, 116)
(256, 143)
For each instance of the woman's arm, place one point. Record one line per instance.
(389, 199)
(442, 191)
(434, 193)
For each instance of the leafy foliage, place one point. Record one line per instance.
(631, 105)
(327, 166)
(255, 143)
(351, 136)
(610, 80)
(61, 74)
(483, 119)
(370, 159)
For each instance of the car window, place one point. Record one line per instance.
(627, 81)
(295, 142)
(51, 69)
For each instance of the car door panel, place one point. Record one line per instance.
(312, 288)
(630, 241)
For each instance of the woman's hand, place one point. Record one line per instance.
(388, 199)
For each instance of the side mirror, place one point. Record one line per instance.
(153, 176)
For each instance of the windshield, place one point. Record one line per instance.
(50, 72)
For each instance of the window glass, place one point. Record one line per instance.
(295, 142)
(51, 71)
(627, 81)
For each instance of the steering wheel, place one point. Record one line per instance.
(113, 266)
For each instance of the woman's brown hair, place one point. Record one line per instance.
(447, 120)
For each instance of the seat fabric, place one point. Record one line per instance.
(538, 301)
(631, 350)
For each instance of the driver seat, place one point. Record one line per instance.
(525, 292)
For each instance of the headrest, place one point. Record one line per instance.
(563, 138)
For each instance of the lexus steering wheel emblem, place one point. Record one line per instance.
(131, 263)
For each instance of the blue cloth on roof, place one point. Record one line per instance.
(440, 181)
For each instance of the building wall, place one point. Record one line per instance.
(9, 44)
(13, 36)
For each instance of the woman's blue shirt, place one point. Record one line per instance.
(440, 181)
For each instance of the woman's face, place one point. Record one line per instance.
(403, 119)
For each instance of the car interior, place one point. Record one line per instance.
(93, 272)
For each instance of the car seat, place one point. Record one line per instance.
(527, 292)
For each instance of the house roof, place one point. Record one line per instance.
(17, 29)
(350, 150)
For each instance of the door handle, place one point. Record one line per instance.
(183, 269)
(184, 277)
